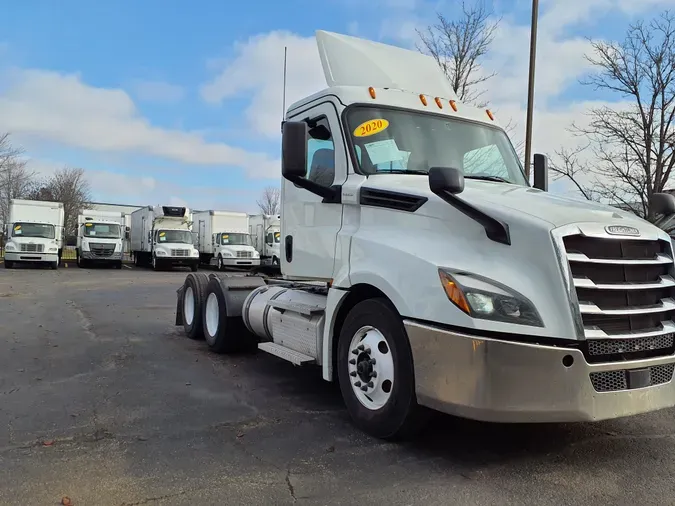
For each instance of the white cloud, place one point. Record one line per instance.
(256, 71)
(62, 108)
(157, 91)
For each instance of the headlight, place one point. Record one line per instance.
(482, 298)
(227, 254)
(53, 249)
(160, 253)
(256, 254)
(195, 253)
(10, 247)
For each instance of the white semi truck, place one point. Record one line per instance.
(100, 238)
(439, 277)
(222, 239)
(34, 233)
(161, 236)
(265, 231)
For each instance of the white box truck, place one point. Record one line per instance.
(447, 281)
(265, 231)
(223, 240)
(161, 236)
(100, 238)
(34, 233)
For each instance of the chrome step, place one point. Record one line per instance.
(285, 353)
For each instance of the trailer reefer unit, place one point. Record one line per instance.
(34, 233)
(161, 236)
(446, 280)
(100, 238)
(265, 230)
(223, 240)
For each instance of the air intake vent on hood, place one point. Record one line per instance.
(391, 200)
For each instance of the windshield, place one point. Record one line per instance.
(174, 236)
(398, 141)
(42, 230)
(235, 239)
(102, 230)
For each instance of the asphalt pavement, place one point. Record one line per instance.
(105, 402)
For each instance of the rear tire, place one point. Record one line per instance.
(223, 334)
(388, 409)
(194, 290)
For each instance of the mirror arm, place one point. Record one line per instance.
(330, 194)
(496, 230)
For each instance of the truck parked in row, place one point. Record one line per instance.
(422, 270)
(222, 240)
(34, 233)
(265, 231)
(100, 238)
(161, 236)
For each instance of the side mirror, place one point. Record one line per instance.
(294, 150)
(541, 172)
(446, 179)
(662, 203)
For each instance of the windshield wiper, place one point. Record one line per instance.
(488, 178)
(402, 171)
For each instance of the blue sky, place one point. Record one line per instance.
(178, 101)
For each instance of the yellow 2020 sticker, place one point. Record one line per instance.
(87, 224)
(162, 234)
(371, 127)
(18, 227)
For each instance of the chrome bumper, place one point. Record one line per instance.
(501, 381)
(88, 255)
(25, 256)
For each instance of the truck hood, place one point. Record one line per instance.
(556, 210)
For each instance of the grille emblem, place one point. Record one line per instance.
(621, 230)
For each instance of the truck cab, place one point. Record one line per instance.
(424, 271)
(172, 246)
(100, 239)
(234, 249)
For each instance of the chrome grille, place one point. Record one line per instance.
(32, 248)
(243, 254)
(180, 252)
(611, 381)
(101, 249)
(626, 296)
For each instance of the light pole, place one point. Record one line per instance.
(530, 87)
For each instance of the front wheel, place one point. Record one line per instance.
(54, 265)
(376, 374)
(194, 267)
(9, 264)
(220, 263)
(155, 263)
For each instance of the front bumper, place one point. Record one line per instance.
(23, 256)
(177, 260)
(241, 262)
(502, 381)
(88, 255)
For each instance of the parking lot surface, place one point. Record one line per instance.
(104, 401)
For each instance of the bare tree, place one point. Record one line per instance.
(69, 186)
(633, 143)
(15, 178)
(270, 200)
(458, 47)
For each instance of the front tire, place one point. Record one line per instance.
(54, 265)
(376, 374)
(220, 266)
(9, 264)
(155, 263)
(118, 264)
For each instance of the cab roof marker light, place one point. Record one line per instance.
(490, 115)
(453, 104)
(423, 99)
(371, 90)
(439, 103)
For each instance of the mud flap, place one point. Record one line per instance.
(179, 305)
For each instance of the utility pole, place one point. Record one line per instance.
(530, 87)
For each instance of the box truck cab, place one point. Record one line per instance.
(161, 236)
(223, 240)
(100, 236)
(265, 230)
(448, 282)
(34, 233)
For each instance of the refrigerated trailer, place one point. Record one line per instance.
(100, 238)
(223, 240)
(34, 233)
(265, 231)
(423, 271)
(161, 236)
